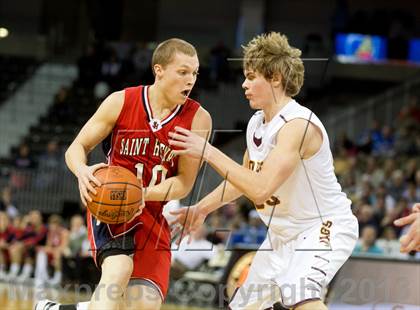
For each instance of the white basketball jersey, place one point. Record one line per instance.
(311, 191)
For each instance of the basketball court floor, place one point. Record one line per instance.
(23, 297)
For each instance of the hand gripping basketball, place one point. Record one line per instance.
(119, 198)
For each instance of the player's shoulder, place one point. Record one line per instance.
(295, 110)
(115, 100)
(195, 107)
(117, 95)
(202, 118)
(130, 93)
(191, 104)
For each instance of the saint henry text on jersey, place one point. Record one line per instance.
(139, 146)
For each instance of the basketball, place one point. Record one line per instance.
(118, 198)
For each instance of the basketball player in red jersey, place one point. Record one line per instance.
(135, 257)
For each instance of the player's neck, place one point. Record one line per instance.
(161, 106)
(270, 110)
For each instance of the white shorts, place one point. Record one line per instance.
(299, 270)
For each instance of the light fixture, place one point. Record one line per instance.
(3, 32)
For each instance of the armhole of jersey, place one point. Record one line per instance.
(319, 128)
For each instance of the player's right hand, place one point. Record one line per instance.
(86, 180)
(187, 221)
(411, 240)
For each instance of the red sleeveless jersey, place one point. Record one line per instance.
(140, 143)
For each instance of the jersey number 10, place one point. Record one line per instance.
(158, 173)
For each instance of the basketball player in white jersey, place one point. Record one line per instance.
(288, 173)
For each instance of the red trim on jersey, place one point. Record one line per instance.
(91, 236)
(124, 232)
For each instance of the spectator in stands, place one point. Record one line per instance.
(401, 209)
(23, 159)
(385, 143)
(31, 233)
(405, 141)
(111, 69)
(62, 109)
(349, 179)
(368, 242)
(410, 170)
(7, 235)
(57, 240)
(417, 179)
(77, 241)
(375, 173)
(410, 113)
(347, 144)
(256, 228)
(412, 193)
(52, 158)
(388, 168)
(219, 64)
(141, 58)
(365, 191)
(189, 256)
(50, 163)
(389, 201)
(397, 186)
(366, 216)
(216, 234)
(389, 243)
(6, 203)
(252, 233)
(89, 66)
(370, 138)
(76, 253)
(379, 208)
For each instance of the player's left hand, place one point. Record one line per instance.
(187, 221)
(141, 207)
(189, 143)
(410, 241)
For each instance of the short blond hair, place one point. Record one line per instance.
(270, 54)
(165, 51)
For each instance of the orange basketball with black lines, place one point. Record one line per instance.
(118, 198)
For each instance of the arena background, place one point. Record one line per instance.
(59, 59)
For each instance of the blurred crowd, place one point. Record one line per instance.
(113, 66)
(381, 174)
(32, 251)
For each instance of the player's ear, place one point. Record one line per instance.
(158, 70)
(276, 80)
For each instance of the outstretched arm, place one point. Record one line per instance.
(277, 167)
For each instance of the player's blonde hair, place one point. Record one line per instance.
(166, 50)
(270, 54)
